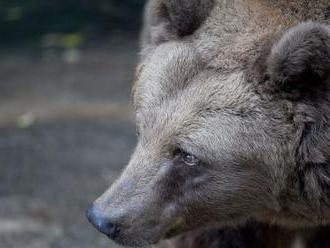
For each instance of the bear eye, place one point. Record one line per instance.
(190, 159)
(186, 157)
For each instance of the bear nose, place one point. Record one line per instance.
(102, 223)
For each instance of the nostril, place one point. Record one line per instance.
(112, 231)
(102, 222)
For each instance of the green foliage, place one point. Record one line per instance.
(24, 21)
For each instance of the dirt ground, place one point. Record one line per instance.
(66, 131)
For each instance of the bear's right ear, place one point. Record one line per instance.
(172, 19)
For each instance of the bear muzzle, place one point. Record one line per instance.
(102, 223)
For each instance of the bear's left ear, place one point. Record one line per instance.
(173, 19)
(298, 64)
(297, 69)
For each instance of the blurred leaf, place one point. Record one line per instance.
(14, 14)
(72, 40)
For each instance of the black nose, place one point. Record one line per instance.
(102, 223)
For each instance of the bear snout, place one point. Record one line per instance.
(102, 223)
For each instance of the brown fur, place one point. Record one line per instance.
(232, 104)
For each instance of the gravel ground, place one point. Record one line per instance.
(66, 131)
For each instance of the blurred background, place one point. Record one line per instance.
(66, 125)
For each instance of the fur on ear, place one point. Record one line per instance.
(300, 61)
(298, 68)
(171, 19)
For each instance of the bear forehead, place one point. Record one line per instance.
(175, 102)
(175, 75)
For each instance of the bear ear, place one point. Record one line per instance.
(297, 68)
(172, 19)
(299, 63)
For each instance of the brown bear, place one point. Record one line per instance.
(233, 118)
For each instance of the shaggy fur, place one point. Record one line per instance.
(240, 87)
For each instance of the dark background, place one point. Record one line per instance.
(28, 21)
(66, 124)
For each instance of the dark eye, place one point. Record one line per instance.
(190, 159)
(186, 157)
